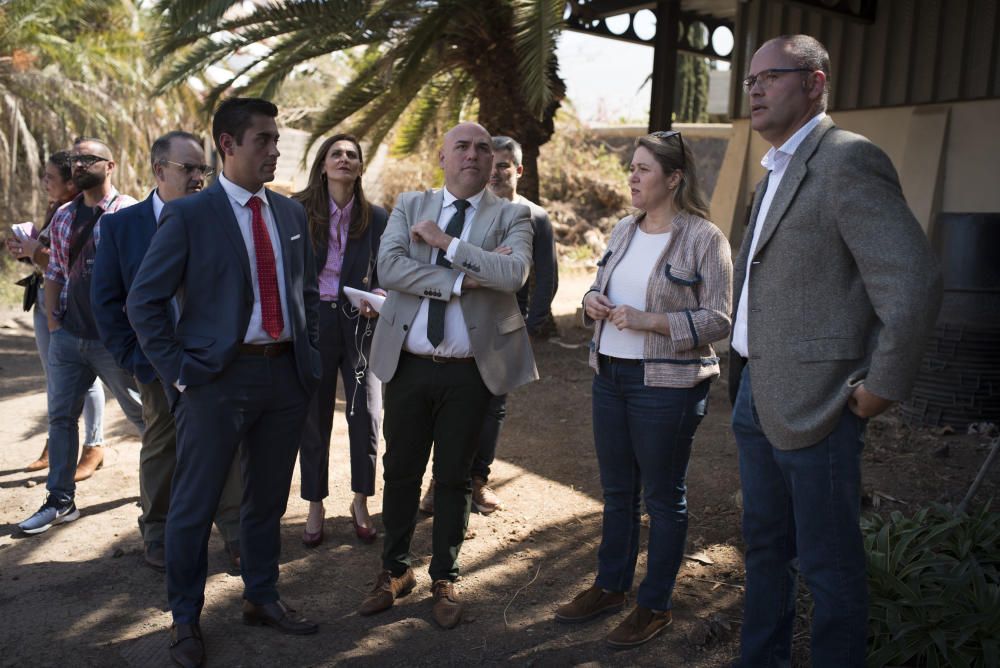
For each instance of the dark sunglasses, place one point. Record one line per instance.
(190, 169)
(664, 135)
(86, 159)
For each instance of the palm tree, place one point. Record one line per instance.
(417, 63)
(70, 68)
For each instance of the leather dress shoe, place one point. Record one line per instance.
(155, 556)
(233, 553)
(279, 616)
(447, 610)
(386, 590)
(365, 534)
(186, 646)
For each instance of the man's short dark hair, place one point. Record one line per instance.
(161, 147)
(93, 140)
(502, 143)
(235, 115)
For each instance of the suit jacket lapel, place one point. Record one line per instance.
(285, 232)
(231, 229)
(486, 215)
(790, 182)
(430, 209)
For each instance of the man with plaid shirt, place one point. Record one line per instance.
(76, 354)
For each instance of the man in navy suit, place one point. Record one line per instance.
(178, 166)
(242, 357)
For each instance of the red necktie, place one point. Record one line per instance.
(267, 274)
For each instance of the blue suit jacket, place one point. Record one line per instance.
(198, 255)
(125, 237)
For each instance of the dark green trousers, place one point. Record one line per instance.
(157, 460)
(430, 403)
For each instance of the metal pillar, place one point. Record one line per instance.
(661, 102)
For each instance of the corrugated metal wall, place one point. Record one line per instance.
(916, 51)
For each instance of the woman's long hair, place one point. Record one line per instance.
(673, 154)
(315, 197)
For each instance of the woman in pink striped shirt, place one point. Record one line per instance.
(345, 231)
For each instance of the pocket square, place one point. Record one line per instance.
(295, 237)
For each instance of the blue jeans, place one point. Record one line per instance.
(93, 403)
(643, 437)
(800, 513)
(74, 364)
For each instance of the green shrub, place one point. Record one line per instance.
(935, 588)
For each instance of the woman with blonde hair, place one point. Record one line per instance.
(661, 297)
(345, 230)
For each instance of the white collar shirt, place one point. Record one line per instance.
(158, 205)
(238, 198)
(456, 341)
(776, 162)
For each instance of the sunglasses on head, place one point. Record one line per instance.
(664, 135)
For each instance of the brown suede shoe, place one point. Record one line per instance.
(42, 462)
(642, 625)
(386, 590)
(91, 460)
(427, 503)
(484, 499)
(589, 604)
(447, 610)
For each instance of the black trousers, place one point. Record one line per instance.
(345, 352)
(430, 403)
(256, 406)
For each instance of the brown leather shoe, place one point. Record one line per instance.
(484, 499)
(91, 460)
(155, 556)
(642, 625)
(233, 552)
(279, 616)
(447, 610)
(386, 590)
(427, 503)
(186, 646)
(589, 604)
(42, 462)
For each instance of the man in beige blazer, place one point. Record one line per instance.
(837, 288)
(450, 335)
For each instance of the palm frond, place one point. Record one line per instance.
(536, 26)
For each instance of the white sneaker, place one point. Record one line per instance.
(49, 515)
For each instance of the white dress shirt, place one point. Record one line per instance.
(775, 161)
(238, 198)
(158, 205)
(456, 335)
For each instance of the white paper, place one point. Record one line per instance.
(24, 230)
(355, 296)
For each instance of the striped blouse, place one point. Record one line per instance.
(692, 282)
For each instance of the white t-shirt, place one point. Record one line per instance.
(627, 286)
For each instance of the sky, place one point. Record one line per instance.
(606, 78)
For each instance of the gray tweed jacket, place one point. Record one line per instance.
(843, 288)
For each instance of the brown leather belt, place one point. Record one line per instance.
(266, 349)
(440, 360)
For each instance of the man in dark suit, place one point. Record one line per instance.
(242, 357)
(837, 289)
(178, 166)
(449, 336)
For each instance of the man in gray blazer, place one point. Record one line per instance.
(837, 289)
(233, 267)
(449, 336)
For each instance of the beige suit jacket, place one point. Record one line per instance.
(496, 328)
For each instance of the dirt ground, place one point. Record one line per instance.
(79, 595)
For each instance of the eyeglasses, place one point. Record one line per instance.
(766, 78)
(190, 169)
(664, 135)
(86, 160)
